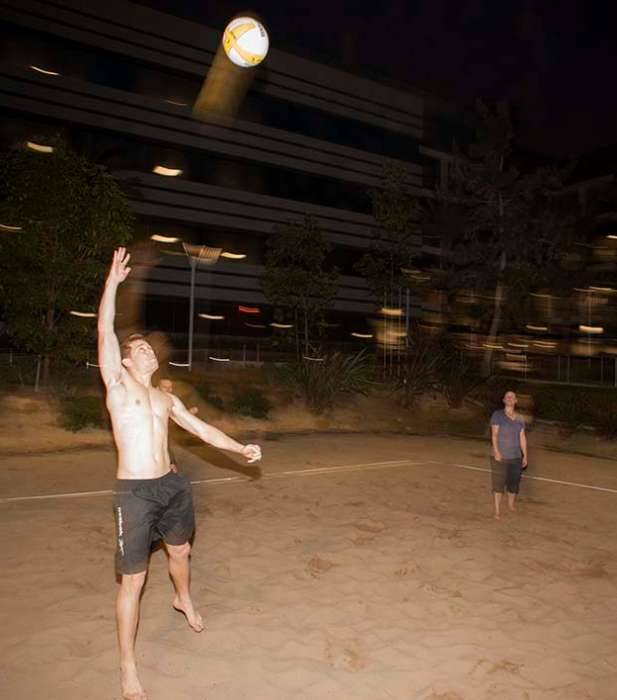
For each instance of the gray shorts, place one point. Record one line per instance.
(146, 510)
(506, 474)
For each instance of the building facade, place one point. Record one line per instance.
(118, 80)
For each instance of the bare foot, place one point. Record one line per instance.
(192, 616)
(497, 516)
(512, 508)
(131, 687)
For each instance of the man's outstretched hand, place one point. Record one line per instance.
(252, 453)
(119, 271)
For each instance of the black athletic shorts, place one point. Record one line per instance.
(506, 474)
(147, 510)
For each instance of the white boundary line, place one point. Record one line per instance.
(49, 496)
(315, 470)
(341, 468)
(228, 479)
(526, 476)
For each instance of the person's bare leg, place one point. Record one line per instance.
(180, 572)
(127, 618)
(511, 501)
(498, 497)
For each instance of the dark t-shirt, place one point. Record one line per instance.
(509, 435)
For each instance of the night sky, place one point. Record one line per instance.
(555, 61)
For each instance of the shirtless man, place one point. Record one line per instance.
(150, 501)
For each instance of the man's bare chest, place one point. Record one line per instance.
(143, 405)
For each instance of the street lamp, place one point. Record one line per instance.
(167, 172)
(39, 147)
(158, 238)
(207, 255)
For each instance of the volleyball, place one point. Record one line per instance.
(245, 41)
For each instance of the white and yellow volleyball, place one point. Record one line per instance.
(246, 42)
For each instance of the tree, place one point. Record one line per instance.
(69, 214)
(396, 213)
(512, 231)
(297, 278)
(387, 264)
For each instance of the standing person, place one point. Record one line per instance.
(167, 386)
(509, 442)
(150, 501)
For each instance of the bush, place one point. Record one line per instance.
(251, 402)
(418, 365)
(319, 383)
(457, 374)
(566, 405)
(602, 413)
(198, 382)
(215, 401)
(17, 370)
(204, 391)
(77, 412)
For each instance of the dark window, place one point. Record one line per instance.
(319, 124)
(120, 152)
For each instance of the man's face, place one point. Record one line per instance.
(166, 386)
(142, 358)
(509, 399)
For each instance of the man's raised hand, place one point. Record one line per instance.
(119, 271)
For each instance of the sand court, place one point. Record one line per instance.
(350, 567)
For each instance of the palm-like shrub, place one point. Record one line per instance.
(320, 382)
(457, 374)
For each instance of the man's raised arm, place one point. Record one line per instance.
(110, 358)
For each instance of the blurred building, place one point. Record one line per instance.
(118, 81)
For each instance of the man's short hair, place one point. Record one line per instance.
(125, 347)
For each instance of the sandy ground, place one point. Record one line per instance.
(348, 567)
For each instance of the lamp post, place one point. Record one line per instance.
(193, 264)
(197, 254)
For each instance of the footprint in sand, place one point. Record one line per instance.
(318, 566)
(592, 569)
(348, 657)
(353, 660)
(368, 525)
(507, 666)
(446, 533)
(363, 539)
(485, 667)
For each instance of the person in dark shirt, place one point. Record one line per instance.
(509, 457)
